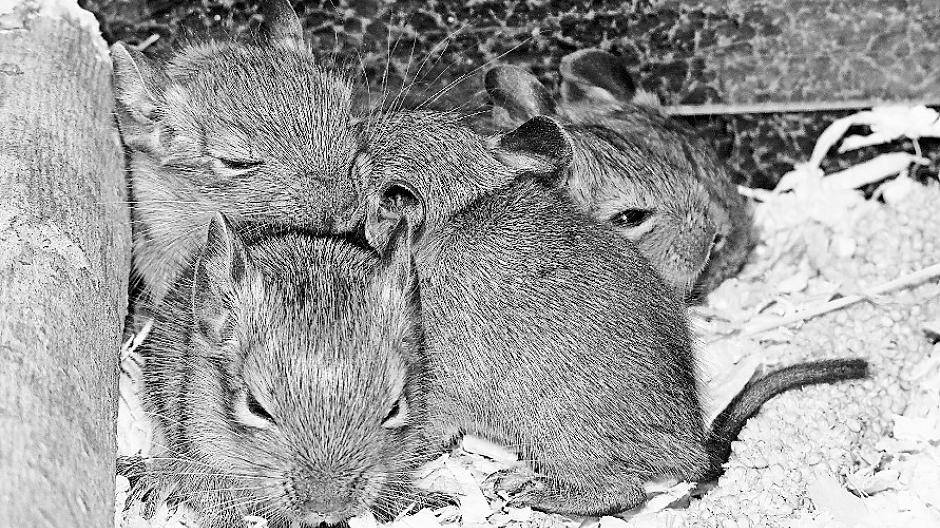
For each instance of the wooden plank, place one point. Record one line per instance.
(64, 262)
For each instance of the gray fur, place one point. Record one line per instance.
(544, 332)
(549, 335)
(326, 336)
(630, 156)
(257, 131)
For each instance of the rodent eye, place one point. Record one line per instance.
(235, 164)
(631, 217)
(257, 409)
(717, 241)
(397, 416)
(250, 412)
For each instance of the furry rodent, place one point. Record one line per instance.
(637, 170)
(287, 378)
(256, 130)
(547, 334)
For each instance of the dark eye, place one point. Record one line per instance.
(630, 217)
(717, 241)
(238, 164)
(255, 408)
(397, 415)
(398, 195)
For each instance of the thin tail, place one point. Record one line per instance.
(729, 423)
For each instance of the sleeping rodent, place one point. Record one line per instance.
(547, 334)
(637, 170)
(256, 130)
(287, 377)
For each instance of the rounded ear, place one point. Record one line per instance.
(595, 75)
(518, 93)
(135, 83)
(539, 145)
(281, 26)
(222, 266)
(397, 203)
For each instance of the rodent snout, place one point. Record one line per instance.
(325, 498)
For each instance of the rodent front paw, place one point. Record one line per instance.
(515, 483)
(409, 499)
(149, 485)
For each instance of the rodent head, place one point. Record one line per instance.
(307, 371)
(445, 165)
(624, 187)
(257, 129)
(629, 168)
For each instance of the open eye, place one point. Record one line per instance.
(250, 412)
(238, 164)
(717, 242)
(255, 408)
(397, 416)
(630, 217)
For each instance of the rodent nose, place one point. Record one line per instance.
(322, 497)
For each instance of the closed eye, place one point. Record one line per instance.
(630, 217)
(236, 164)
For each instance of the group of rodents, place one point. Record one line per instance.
(338, 295)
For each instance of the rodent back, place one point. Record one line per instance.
(292, 366)
(546, 329)
(542, 327)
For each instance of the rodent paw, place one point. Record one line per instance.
(411, 500)
(516, 484)
(149, 486)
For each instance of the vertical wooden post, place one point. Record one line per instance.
(64, 260)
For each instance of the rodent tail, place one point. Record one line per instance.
(728, 424)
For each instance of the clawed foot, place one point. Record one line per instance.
(410, 499)
(518, 485)
(525, 488)
(148, 484)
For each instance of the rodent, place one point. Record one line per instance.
(257, 130)
(287, 376)
(637, 170)
(545, 333)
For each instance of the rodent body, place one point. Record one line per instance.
(287, 378)
(636, 170)
(531, 350)
(256, 130)
(550, 335)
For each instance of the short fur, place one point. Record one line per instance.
(631, 157)
(258, 131)
(550, 335)
(326, 337)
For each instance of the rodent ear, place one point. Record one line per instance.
(281, 25)
(517, 93)
(539, 145)
(597, 76)
(135, 82)
(221, 267)
(397, 203)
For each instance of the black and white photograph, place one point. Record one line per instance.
(481, 264)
